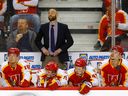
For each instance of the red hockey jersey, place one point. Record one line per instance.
(25, 6)
(89, 76)
(105, 25)
(19, 76)
(114, 76)
(85, 82)
(77, 81)
(52, 83)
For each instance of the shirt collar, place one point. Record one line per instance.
(53, 23)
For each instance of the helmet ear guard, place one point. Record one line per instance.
(80, 62)
(52, 66)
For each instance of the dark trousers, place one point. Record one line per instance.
(55, 58)
(107, 44)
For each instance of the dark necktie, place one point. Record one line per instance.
(52, 39)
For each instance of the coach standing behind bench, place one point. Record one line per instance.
(56, 40)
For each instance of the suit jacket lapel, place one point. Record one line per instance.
(47, 33)
(58, 34)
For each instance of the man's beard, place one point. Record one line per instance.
(52, 18)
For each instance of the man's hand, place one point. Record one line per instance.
(18, 37)
(70, 84)
(45, 51)
(22, 3)
(57, 52)
(117, 24)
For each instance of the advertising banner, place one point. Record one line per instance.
(93, 58)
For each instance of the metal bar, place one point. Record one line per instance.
(120, 4)
(113, 6)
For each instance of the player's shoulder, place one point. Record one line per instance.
(104, 17)
(62, 24)
(121, 11)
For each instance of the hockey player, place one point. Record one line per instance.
(114, 71)
(16, 72)
(82, 76)
(104, 30)
(51, 76)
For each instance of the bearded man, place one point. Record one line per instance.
(56, 39)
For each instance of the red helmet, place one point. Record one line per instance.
(80, 62)
(52, 66)
(118, 48)
(107, 3)
(14, 51)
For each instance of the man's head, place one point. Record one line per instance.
(13, 55)
(116, 55)
(108, 6)
(51, 68)
(22, 24)
(107, 3)
(52, 15)
(80, 64)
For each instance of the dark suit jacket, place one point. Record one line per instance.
(64, 40)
